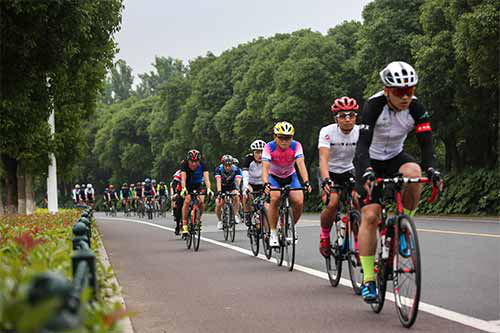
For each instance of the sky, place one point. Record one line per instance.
(185, 29)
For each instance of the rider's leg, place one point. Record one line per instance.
(185, 209)
(411, 192)
(297, 201)
(201, 204)
(328, 214)
(218, 208)
(272, 211)
(367, 236)
(236, 204)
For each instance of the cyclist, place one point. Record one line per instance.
(148, 190)
(138, 196)
(112, 195)
(278, 158)
(82, 195)
(194, 172)
(106, 198)
(75, 194)
(228, 178)
(177, 200)
(337, 145)
(161, 192)
(388, 117)
(133, 206)
(89, 195)
(252, 176)
(125, 194)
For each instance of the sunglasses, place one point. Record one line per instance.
(344, 115)
(284, 137)
(402, 92)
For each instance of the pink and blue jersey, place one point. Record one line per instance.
(282, 161)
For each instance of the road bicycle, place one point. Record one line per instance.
(148, 206)
(258, 221)
(344, 245)
(228, 222)
(398, 251)
(126, 206)
(286, 229)
(193, 236)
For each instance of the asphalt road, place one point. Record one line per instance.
(224, 289)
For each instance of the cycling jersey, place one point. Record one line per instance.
(383, 132)
(342, 147)
(228, 179)
(138, 192)
(125, 193)
(89, 194)
(282, 160)
(148, 190)
(82, 194)
(252, 171)
(162, 190)
(196, 176)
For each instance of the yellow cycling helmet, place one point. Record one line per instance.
(283, 128)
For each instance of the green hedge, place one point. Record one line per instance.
(40, 243)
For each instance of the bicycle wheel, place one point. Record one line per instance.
(253, 234)
(197, 229)
(353, 259)
(189, 236)
(232, 228)
(407, 272)
(289, 244)
(279, 252)
(381, 268)
(225, 222)
(334, 261)
(265, 232)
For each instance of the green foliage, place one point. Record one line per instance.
(471, 192)
(40, 243)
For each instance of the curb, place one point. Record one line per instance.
(125, 323)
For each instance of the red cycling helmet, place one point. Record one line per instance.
(194, 155)
(345, 104)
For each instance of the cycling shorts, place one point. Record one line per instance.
(292, 180)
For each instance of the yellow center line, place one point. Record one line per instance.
(458, 233)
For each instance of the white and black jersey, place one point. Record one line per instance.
(252, 171)
(342, 147)
(383, 132)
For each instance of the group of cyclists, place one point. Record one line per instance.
(348, 151)
(83, 195)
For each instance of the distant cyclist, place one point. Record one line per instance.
(252, 176)
(228, 178)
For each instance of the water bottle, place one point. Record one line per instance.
(341, 229)
(385, 241)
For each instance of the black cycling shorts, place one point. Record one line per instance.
(384, 169)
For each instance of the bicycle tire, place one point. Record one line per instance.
(279, 252)
(353, 259)
(196, 229)
(189, 237)
(333, 263)
(253, 234)
(289, 244)
(225, 223)
(265, 231)
(407, 303)
(381, 282)
(232, 228)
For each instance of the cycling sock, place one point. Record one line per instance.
(368, 264)
(410, 213)
(325, 232)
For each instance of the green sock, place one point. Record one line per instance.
(408, 212)
(368, 263)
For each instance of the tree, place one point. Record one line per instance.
(121, 81)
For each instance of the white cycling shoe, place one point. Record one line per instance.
(237, 219)
(219, 225)
(273, 240)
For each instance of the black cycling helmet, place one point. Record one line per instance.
(227, 160)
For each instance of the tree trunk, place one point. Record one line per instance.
(10, 165)
(21, 192)
(30, 197)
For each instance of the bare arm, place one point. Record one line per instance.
(324, 154)
(207, 179)
(265, 171)
(302, 169)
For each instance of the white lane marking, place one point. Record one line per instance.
(432, 309)
(458, 233)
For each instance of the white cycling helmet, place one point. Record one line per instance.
(257, 145)
(399, 74)
(89, 185)
(77, 186)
